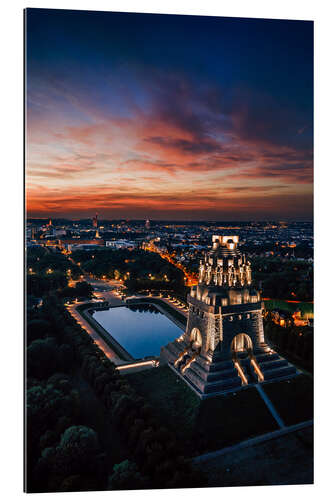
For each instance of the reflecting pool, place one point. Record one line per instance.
(141, 329)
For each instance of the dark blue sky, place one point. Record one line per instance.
(175, 97)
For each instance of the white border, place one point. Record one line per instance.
(12, 229)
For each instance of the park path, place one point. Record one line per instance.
(175, 306)
(103, 290)
(113, 300)
(97, 338)
(270, 406)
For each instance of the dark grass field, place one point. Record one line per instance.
(293, 398)
(285, 460)
(203, 425)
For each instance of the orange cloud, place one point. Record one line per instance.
(161, 160)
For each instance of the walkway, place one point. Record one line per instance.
(113, 300)
(175, 306)
(270, 406)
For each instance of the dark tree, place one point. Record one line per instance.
(38, 329)
(126, 476)
(42, 358)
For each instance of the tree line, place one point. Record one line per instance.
(119, 264)
(48, 270)
(283, 280)
(64, 455)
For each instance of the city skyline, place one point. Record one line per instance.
(168, 117)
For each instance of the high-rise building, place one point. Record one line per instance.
(147, 224)
(224, 347)
(95, 220)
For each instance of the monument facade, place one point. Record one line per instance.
(223, 347)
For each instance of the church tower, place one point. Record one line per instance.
(223, 347)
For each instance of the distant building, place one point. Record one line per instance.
(280, 317)
(70, 244)
(121, 244)
(60, 232)
(84, 246)
(298, 319)
(147, 224)
(95, 220)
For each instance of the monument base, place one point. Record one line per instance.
(210, 378)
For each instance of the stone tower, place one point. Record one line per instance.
(223, 347)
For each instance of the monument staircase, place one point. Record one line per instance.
(218, 377)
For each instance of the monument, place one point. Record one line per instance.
(223, 347)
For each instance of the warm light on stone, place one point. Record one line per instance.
(223, 346)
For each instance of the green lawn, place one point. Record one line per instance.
(173, 401)
(305, 307)
(293, 398)
(202, 425)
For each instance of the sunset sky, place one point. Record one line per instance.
(136, 116)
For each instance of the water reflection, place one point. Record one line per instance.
(144, 308)
(141, 328)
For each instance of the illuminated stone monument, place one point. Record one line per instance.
(223, 347)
